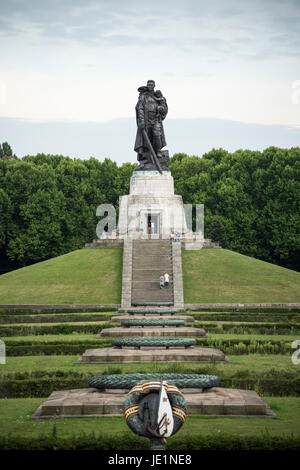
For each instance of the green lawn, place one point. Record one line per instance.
(84, 276)
(95, 276)
(75, 337)
(223, 276)
(15, 421)
(256, 363)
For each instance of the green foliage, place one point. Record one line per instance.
(26, 330)
(54, 318)
(223, 276)
(247, 316)
(48, 202)
(80, 277)
(254, 196)
(6, 152)
(34, 384)
(129, 441)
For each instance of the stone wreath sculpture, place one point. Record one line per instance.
(127, 381)
(167, 342)
(155, 409)
(142, 322)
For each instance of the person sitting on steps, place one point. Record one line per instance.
(166, 279)
(161, 281)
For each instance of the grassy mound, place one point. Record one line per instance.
(221, 276)
(82, 276)
(95, 277)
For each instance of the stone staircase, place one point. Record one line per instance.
(151, 259)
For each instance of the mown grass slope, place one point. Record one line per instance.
(82, 276)
(220, 276)
(95, 277)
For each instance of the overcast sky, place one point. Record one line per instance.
(83, 60)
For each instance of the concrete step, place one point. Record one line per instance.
(152, 303)
(151, 259)
(185, 318)
(154, 331)
(150, 284)
(148, 275)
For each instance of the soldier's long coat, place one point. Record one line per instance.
(142, 116)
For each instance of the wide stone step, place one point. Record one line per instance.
(148, 275)
(156, 303)
(139, 299)
(153, 242)
(157, 311)
(90, 402)
(185, 318)
(119, 356)
(138, 331)
(150, 254)
(152, 285)
(156, 263)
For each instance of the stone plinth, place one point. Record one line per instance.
(151, 182)
(149, 354)
(139, 331)
(90, 402)
(151, 193)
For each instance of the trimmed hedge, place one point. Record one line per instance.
(238, 316)
(60, 329)
(53, 349)
(54, 318)
(50, 310)
(247, 346)
(252, 328)
(41, 383)
(31, 388)
(129, 441)
(228, 346)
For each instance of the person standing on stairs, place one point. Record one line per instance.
(166, 279)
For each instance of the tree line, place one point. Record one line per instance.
(251, 199)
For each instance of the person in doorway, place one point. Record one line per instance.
(161, 281)
(166, 279)
(152, 227)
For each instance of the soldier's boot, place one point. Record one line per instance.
(157, 146)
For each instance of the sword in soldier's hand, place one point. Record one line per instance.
(152, 152)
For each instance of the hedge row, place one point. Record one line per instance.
(9, 319)
(228, 346)
(60, 329)
(41, 387)
(50, 310)
(129, 441)
(246, 317)
(247, 346)
(252, 328)
(53, 349)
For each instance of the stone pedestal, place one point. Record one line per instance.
(150, 354)
(90, 402)
(134, 331)
(151, 197)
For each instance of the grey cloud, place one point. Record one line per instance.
(269, 27)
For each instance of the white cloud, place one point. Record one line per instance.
(231, 61)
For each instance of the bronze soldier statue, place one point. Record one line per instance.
(151, 110)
